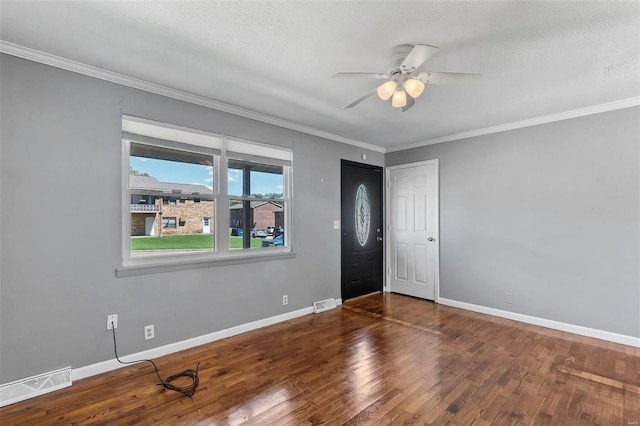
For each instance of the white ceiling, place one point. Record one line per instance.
(277, 58)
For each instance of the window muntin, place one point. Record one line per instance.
(255, 173)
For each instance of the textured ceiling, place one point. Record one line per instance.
(277, 58)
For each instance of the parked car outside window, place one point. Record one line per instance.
(258, 233)
(275, 230)
(274, 242)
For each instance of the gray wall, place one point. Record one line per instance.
(549, 213)
(61, 227)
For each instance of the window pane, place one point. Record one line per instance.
(191, 172)
(267, 185)
(256, 224)
(236, 183)
(176, 223)
(255, 179)
(158, 229)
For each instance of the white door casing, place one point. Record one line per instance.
(412, 230)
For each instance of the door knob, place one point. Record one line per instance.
(378, 238)
(431, 239)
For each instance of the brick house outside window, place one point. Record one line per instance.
(263, 215)
(191, 215)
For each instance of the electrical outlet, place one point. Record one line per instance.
(148, 332)
(285, 300)
(508, 298)
(112, 319)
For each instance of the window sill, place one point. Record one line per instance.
(184, 265)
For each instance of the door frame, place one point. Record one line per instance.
(383, 212)
(387, 223)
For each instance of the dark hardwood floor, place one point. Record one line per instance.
(380, 359)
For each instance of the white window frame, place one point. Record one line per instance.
(245, 150)
(155, 133)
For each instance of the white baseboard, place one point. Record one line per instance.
(113, 364)
(556, 325)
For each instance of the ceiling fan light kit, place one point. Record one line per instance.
(386, 89)
(414, 87)
(399, 99)
(401, 85)
(399, 91)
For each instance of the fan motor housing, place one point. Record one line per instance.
(396, 55)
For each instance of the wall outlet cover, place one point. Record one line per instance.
(149, 332)
(112, 319)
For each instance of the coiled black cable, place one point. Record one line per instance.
(189, 390)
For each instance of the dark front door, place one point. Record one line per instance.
(361, 219)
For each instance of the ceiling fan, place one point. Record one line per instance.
(401, 85)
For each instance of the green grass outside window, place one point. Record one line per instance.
(185, 242)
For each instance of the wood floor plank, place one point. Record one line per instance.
(377, 360)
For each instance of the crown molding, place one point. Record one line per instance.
(113, 77)
(611, 106)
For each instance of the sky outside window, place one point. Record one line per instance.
(177, 172)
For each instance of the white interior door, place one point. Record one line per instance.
(412, 229)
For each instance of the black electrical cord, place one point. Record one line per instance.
(166, 383)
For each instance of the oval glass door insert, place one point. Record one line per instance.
(363, 215)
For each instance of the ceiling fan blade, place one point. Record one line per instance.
(360, 99)
(449, 77)
(410, 102)
(418, 55)
(360, 74)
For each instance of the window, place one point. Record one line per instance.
(169, 200)
(176, 181)
(258, 177)
(168, 222)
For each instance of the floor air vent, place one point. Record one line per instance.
(324, 305)
(34, 386)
